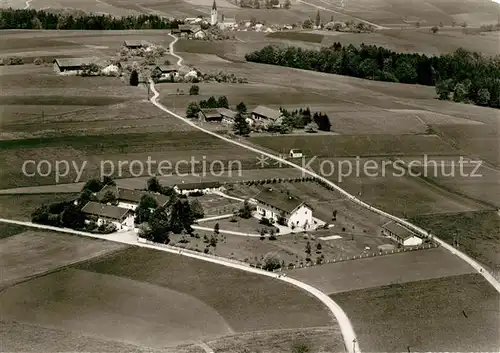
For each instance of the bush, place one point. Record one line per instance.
(38, 61)
(194, 90)
(272, 237)
(265, 221)
(134, 78)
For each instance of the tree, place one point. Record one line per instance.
(109, 197)
(216, 228)
(72, 217)
(483, 96)
(192, 110)
(145, 209)
(319, 247)
(36, 23)
(241, 126)
(222, 102)
(460, 92)
(334, 215)
(144, 230)
(194, 90)
(287, 4)
(443, 89)
(271, 262)
(153, 185)
(241, 108)
(107, 180)
(308, 24)
(434, 29)
(308, 248)
(246, 211)
(160, 226)
(134, 78)
(441, 24)
(93, 185)
(317, 22)
(197, 209)
(417, 24)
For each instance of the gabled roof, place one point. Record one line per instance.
(227, 112)
(166, 68)
(133, 196)
(211, 113)
(103, 210)
(134, 43)
(279, 201)
(269, 113)
(200, 185)
(398, 230)
(72, 62)
(295, 150)
(190, 28)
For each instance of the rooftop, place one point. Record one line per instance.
(200, 185)
(272, 114)
(189, 28)
(134, 43)
(211, 113)
(167, 68)
(399, 230)
(278, 200)
(133, 196)
(72, 62)
(227, 112)
(103, 210)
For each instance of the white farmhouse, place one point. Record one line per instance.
(130, 199)
(400, 234)
(294, 212)
(207, 187)
(122, 218)
(295, 153)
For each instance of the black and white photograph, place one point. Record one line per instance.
(249, 176)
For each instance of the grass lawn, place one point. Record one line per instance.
(478, 233)
(324, 339)
(8, 230)
(247, 302)
(382, 270)
(250, 225)
(33, 252)
(20, 207)
(300, 36)
(450, 314)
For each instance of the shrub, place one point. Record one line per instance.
(272, 237)
(194, 90)
(38, 61)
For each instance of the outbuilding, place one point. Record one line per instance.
(228, 115)
(134, 44)
(206, 187)
(122, 218)
(295, 153)
(72, 64)
(401, 234)
(266, 115)
(210, 115)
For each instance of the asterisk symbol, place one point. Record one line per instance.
(279, 163)
(262, 161)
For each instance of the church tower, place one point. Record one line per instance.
(213, 14)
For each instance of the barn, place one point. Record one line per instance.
(400, 234)
(72, 64)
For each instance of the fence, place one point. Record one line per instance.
(342, 259)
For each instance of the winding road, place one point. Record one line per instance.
(478, 267)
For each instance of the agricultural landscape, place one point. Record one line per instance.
(213, 248)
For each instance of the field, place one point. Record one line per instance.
(8, 230)
(220, 288)
(382, 270)
(476, 232)
(31, 253)
(20, 207)
(454, 314)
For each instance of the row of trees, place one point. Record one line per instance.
(477, 76)
(39, 19)
(302, 118)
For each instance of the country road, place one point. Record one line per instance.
(480, 269)
(130, 238)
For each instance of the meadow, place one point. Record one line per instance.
(476, 233)
(21, 206)
(456, 313)
(382, 270)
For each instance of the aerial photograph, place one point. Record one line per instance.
(249, 176)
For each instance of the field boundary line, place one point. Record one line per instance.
(350, 341)
(480, 269)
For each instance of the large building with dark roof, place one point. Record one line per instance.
(130, 199)
(122, 218)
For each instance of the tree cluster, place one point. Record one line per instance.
(39, 19)
(211, 103)
(462, 75)
(302, 118)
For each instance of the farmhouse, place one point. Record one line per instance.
(189, 30)
(130, 199)
(206, 187)
(164, 71)
(134, 44)
(72, 64)
(122, 218)
(295, 153)
(400, 234)
(228, 115)
(294, 212)
(210, 115)
(175, 31)
(266, 115)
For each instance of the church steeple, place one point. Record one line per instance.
(213, 14)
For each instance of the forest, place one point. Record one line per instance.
(39, 19)
(461, 76)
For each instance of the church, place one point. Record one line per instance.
(224, 22)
